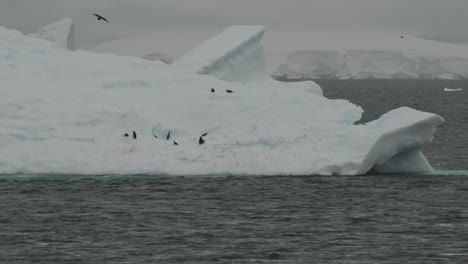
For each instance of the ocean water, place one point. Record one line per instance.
(309, 219)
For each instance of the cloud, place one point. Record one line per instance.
(432, 18)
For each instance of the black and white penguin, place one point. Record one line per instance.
(201, 141)
(134, 135)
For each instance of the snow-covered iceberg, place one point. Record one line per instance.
(362, 56)
(67, 112)
(61, 33)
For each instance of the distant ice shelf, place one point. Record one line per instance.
(373, 56)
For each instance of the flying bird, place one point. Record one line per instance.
(99, 17)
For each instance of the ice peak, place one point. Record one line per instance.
(234, 55)
(61, 33)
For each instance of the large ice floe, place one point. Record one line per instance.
(66, 111)
(363, 56)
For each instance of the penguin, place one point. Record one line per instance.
(155, 136)
(168, 135)
(125, 135)
(134, 135)
(175, 143)
(229, 91)
(212, 90)
(201, 141)
(204, 134)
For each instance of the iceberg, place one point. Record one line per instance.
(368, 56)
(452, 89)
(67, 112)
(61, 33)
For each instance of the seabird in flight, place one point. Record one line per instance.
(99, 17)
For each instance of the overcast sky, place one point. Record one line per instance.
(436, 19)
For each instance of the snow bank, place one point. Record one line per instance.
(234, 55)
(67, 112)
(380, 56)
(61, 33)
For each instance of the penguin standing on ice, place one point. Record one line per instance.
(134, 135)
(168, 135)
(201, 141)
(212, 90)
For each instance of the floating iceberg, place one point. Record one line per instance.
(67, 112)
(452, 89)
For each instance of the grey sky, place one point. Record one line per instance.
(436, 19)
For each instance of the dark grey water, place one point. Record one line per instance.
(355, 219)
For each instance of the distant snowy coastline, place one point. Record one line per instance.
(375, 56)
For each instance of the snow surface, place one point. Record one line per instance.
(66, 112)
(376, 56)
(61, 33)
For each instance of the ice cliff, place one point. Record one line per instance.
(67, 112)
